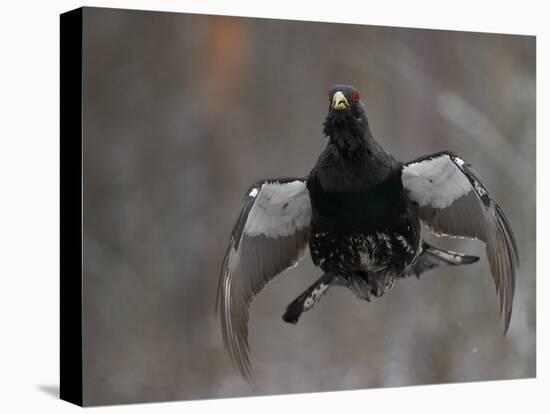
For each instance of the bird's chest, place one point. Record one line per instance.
(358, 226)
(342, 201)
(387, 251)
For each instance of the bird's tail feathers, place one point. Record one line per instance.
(432, 257)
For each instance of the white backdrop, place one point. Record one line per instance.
(29, 223)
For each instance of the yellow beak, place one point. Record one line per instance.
(339, 101)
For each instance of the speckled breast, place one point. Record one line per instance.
(378, 252)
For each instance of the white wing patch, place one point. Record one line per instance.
(279, 210)
(437, 182)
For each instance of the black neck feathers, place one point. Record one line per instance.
(349, 133)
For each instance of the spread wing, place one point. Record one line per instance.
(453, 202)
(270, 235)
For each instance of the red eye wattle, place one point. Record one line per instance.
(355, 97)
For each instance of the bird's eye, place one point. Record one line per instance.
(355, 97)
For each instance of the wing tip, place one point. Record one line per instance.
(507, 320)
(237, 348)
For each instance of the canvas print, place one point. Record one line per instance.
(274, 206)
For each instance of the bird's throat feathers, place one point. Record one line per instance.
(349, 134)
(352, 158)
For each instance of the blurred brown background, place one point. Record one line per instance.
(183, 112)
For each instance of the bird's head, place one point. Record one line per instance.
(346, 123)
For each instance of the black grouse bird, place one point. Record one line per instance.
(360, 213)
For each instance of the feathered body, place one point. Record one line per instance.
(363, 225)
(360, 213)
